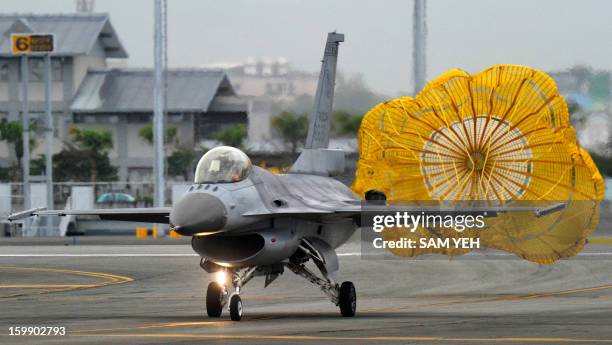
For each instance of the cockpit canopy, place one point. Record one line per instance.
(223, 164)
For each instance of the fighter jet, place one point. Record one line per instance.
(245, 221)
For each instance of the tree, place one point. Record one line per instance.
(93, 145)
(231, 135)
(181, 163)
(12, 133)
(72, 164)
(345, 123)
(146, 133)
(293, 127)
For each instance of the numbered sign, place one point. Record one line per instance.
(31, 43)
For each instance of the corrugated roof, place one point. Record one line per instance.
(74, 34)
(131, 90)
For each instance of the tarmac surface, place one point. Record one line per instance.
(154, 294)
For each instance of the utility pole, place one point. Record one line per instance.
(49, 141)
(23, 44)
(25, 124)
(158, 108)
(419, 49)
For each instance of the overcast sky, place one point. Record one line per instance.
(467, 34)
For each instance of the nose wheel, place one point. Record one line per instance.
(216, 298)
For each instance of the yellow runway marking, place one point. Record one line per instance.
(353, 339)
(162, 325)
(109, 279)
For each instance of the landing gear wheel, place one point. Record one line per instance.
(236, 308)
(347, 299)
(214, 298)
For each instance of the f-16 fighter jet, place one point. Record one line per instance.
(245, 221)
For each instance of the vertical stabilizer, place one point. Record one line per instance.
(316, 157)
(318, 132)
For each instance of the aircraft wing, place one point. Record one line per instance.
(146, 215)
(354, 210)
(487, 211)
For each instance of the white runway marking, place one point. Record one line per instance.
(120, 255)
(98, 255)
(194, 254)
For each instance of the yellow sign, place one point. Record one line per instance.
(29, 43)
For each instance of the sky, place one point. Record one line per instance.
(466, 34)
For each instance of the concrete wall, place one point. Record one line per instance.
(82, 63)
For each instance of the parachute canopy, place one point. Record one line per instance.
(502, 136)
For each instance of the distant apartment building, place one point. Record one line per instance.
(86, 92)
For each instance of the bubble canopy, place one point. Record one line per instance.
(223, 164)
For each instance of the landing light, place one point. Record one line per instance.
(221, 277)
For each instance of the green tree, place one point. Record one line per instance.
(293, 127)
(231, 135)
(93, 145)
(181, 163)
(72, 164)
(12, 133)
(603, 163)
(345, 123)
(146, 133)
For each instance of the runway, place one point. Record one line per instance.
(154, 294)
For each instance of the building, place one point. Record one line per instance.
(81, 42)
(199, 102)
(87, 92)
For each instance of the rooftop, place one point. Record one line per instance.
(74, 34)
(129, 90)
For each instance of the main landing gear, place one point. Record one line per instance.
(344, 296)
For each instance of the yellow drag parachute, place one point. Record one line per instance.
(502, 136)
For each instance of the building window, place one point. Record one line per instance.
(88, 118)
(175, 118)
(4, 67)
(36, 69)
(139, 118)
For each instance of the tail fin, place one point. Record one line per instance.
(318, 132)
(316, 157)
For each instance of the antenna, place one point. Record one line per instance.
(419, 49)
(85, 6)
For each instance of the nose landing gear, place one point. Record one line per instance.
(217, 294)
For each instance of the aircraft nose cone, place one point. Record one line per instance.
(198, 212)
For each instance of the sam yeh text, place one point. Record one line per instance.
(424, 243)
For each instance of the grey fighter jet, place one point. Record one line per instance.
(245, 221)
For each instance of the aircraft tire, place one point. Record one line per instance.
(347, 299)
(214, 296)
(235, 308)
